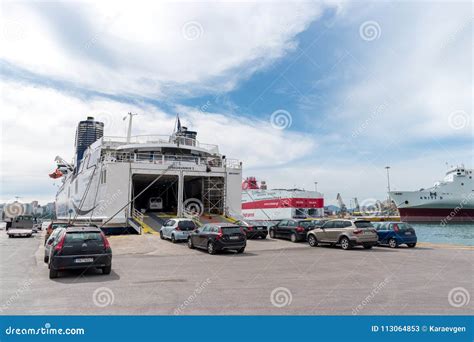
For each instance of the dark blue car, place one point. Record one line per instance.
(394, 234)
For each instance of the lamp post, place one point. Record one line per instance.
(388, 181)
(316, 186)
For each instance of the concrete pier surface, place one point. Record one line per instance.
(151, 276)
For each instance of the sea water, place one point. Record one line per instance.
(456, 234)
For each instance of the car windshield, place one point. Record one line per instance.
(363, 224)
(186, 225)
(57, 225)
(231, 230)
(83, 236)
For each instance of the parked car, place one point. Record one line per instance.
(395, 234)
(218, 237)
(177, 229)
(318, 222)
(292, 229)
(347, 233)
(80, 247)
(49, 243)
(52, 226)
(253, 229)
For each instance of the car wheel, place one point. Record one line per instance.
(240, 251)
(411, 245)
(173, 239)
(368, 246)
(293, 238)
(161, 235)
(190, 243)
(263, 237)
(392, 243)
(211, 249)
(345, 243)
(313, 242)
(46, 259)
(52, 273)
(272, 234)
(107, 269)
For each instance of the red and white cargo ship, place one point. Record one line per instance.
(259, 203)
(448, 201)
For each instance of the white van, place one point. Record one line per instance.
(155, 203)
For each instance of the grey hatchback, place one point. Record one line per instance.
(347, 233)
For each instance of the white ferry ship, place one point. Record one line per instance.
(450, 200)
(113, 179)
(259, 203)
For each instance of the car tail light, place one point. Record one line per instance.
(300, 229)
(60, 244)
(178, 229)
(219, 235)
(357, 231)
(106, 242)
(249, 229)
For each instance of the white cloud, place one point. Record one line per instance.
(40, 123)
(419, 70)
(129, 48)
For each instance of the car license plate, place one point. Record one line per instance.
(82, 260)
(234, 237)
(367, 232)
(259, 228)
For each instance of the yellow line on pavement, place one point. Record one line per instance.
(444, 246)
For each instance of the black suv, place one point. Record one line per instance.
(218, 237)
(80, 247)
(295, 230)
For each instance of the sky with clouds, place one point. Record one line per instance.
(326, 91)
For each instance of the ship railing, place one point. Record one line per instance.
(162, 159)
(138, 215)
(165, 159)
(162, 139)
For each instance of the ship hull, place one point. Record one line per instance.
(442, 216)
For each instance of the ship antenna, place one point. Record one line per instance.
(129, 132)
